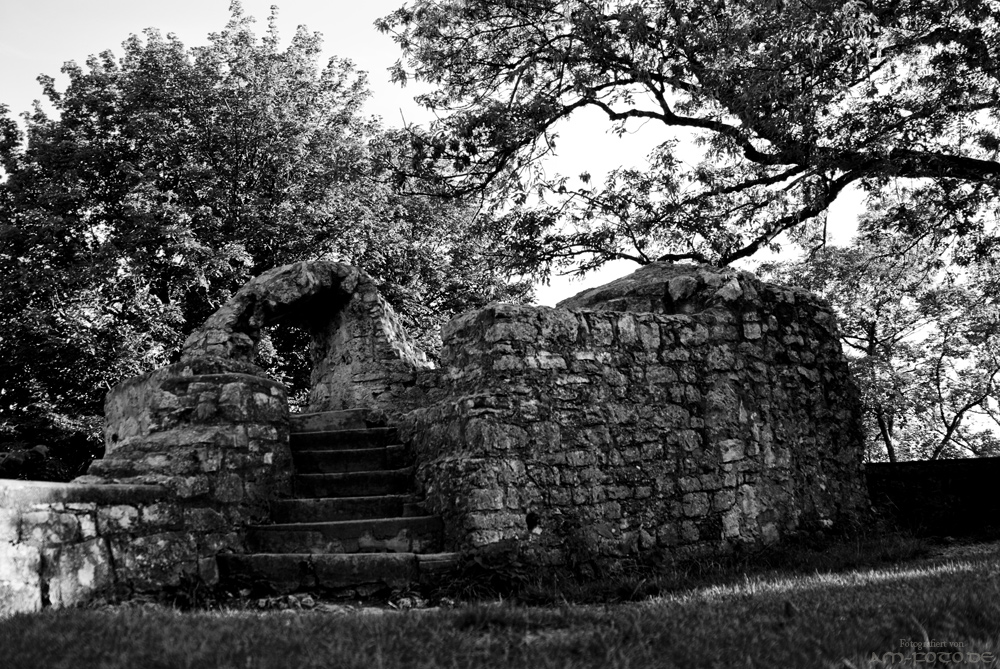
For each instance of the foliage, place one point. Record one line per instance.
(169, 176)
(767, 111)
(790, 102)
(922, 333)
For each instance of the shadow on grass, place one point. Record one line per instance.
(815, 613)
(501, 574)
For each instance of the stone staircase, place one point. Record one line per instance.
(355, 527)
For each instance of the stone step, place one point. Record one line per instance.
(421, 534)
(345, 508)
(350, 460)
(349, 419)
(350, 575)
(354, 484)
(343, 439)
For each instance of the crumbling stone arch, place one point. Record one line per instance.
(362, 357)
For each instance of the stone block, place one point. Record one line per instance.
(689, 532)
(88, 524)
(201, 520)
(689, 484)
(49, 527)
(732, 450)
(75, 573)
(695, 504)
(511, 331)
(486, 500)
(723, 500)
(731, 524)
(20, 578)
(228, 488)
(693, 336)
(164, 515)
(148, 563)
(116, 519)
(188, 487)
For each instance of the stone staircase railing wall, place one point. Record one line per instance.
(588, 435)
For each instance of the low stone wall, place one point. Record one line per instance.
(591, 435)
(938, 497)
(63, 544)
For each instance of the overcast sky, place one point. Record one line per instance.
(38, 36)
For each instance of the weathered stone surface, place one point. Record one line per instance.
(682, 410)
(20, 578)
(73, 573)
(61, 543)
(361, 355)
(679, 409)
(219, 446)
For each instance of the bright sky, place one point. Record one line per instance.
(38, 36)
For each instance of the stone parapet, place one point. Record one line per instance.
(596, 434)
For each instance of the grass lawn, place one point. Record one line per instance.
(827, 618)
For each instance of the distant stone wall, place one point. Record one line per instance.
(722, 413)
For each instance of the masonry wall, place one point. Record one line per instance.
(594, 434)
(208, 430)
(361, 355)
(64, 544)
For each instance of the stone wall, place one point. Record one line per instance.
(64, 544)
(721, 413)
(678, 410)
(196, 451)
(210, 431)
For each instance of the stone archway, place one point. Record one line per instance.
(361, 356)
(213, 428)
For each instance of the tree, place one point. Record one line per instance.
(922, 334)
(792, 102)
(171, 175)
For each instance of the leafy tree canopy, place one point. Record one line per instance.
(923, 337)
(791, 101)
(170, 175)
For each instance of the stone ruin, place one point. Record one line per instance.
(680, 410)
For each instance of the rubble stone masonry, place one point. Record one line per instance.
(682, 410)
